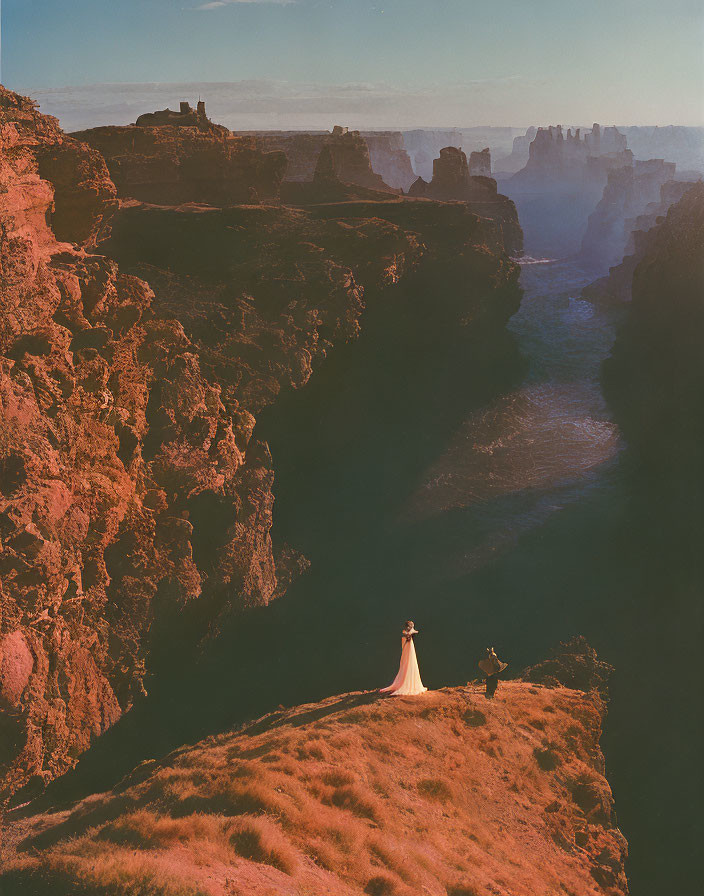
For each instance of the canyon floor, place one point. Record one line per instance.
(447, 793)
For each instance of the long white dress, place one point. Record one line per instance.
(407, 682)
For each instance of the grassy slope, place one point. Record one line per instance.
(441, 794)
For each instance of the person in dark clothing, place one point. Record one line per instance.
(492, 667)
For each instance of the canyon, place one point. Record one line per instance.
(264, 394)
(583, 194)
(137, 506)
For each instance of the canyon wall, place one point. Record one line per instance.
(389, 158)
(170, 158)
(301, 149)
(519, 155)
(628, 193)
(637, 232)
(654, 379)
(136, 508)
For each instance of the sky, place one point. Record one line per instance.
(404, 62)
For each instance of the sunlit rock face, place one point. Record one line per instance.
(453, 181)
(136, 506)
(174, 157)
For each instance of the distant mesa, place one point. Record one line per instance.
(172, 158)
(186, 116)
(480, 163)
(553, 152)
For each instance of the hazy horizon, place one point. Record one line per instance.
(269, 105)
(400, 63)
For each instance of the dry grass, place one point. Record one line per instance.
(259, 840)
(436, 789)
(395, 798)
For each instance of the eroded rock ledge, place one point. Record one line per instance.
(135, 504)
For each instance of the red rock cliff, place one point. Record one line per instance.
(136, 508)
(175, 163)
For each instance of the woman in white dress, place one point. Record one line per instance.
(407, 682)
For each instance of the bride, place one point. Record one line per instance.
(407, 682)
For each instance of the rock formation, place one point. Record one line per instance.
(450, 794)
(615, 287)
(557, 154)
(345, 156)
(389, 165)
(573, 664)
(654, 379)
(452, 180)
(389, 158)
(186, 116)
(423, 145)
(628, 193)
(135, 505)
(562, 183)
(519, 155)
(170, 158)
(480, 163)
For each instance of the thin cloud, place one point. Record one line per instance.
(217, 4)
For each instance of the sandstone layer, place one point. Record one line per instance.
(447, 794)
(136, 505)
(171, 161)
